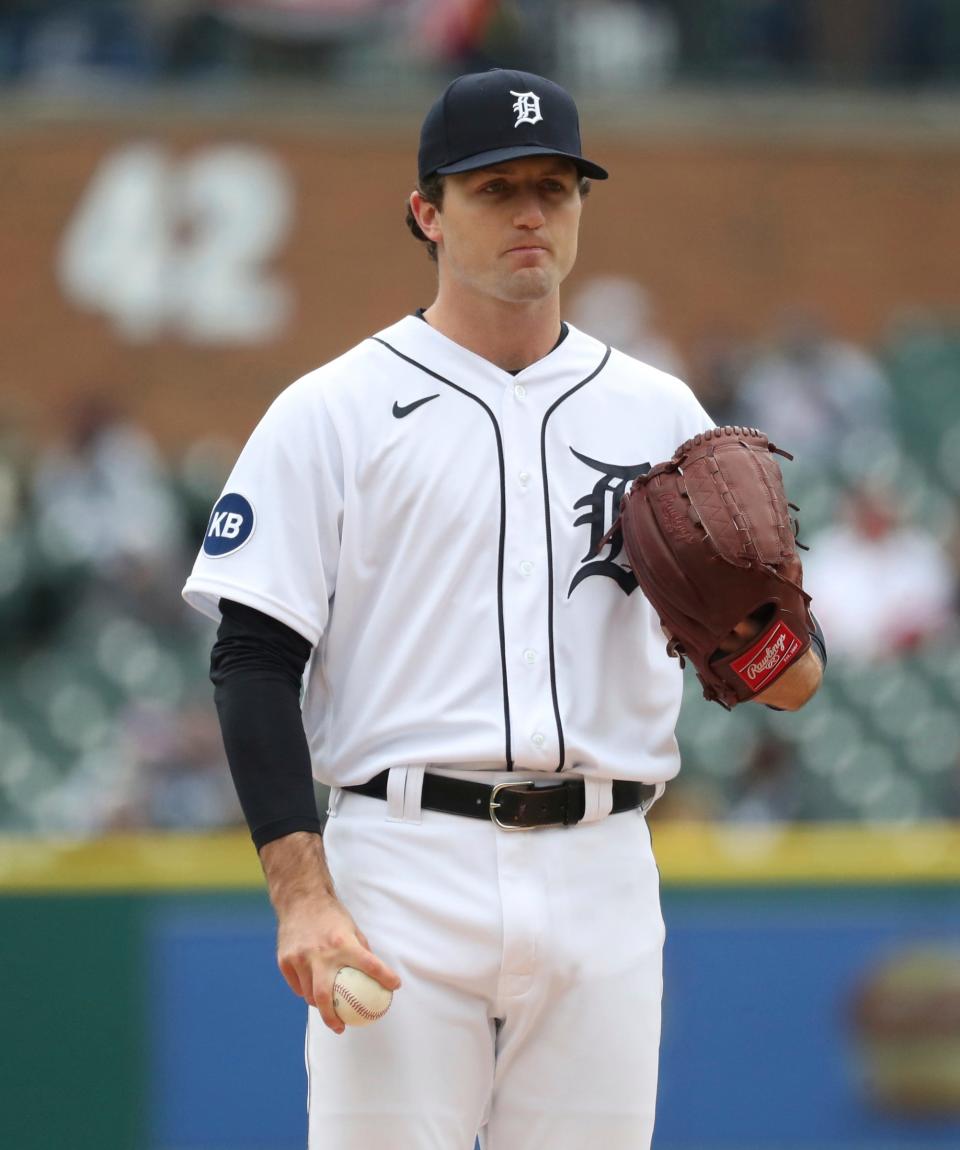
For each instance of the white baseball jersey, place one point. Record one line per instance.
(431, 523)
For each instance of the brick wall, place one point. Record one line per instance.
(724, 234)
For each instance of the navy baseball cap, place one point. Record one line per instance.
(484, 118)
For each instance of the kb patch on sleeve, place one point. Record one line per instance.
(231, 525)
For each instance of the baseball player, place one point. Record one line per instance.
(412, 541)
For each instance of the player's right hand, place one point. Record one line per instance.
(313, 942)
(315, 934)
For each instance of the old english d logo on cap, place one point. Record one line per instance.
(487, 118)
(527, 108)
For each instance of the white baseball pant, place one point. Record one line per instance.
(532, 976)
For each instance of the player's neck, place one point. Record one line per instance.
(510, 335)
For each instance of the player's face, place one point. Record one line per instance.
(510, 231)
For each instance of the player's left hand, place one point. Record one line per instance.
(799, 683)
(711, 541)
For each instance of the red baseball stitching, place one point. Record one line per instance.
(361, 1008)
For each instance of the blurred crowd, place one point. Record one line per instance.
(106, 716)
(876, 436)
(599, 44)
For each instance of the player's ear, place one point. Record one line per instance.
(427, 216)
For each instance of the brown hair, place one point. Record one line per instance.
(431, 189)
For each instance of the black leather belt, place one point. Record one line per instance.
(512, 806)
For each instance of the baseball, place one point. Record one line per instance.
(359, 999)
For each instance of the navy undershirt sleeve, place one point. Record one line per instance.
(817, 639)
(256, 666)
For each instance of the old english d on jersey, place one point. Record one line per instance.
(455, 619)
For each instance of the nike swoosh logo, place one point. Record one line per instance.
(400, 412)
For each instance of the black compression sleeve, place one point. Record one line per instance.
(256, 666)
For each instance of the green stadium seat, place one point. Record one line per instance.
(948, 456)
(863, 774)
(859, 683)
(128, 653)
(899, 702)
(26, 775)
(78, 716)
(931, 742)
(827, 733)
(816, 494)
(895, 799)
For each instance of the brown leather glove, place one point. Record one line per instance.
(710, 539)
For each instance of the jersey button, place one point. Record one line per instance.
(519, 390)
(524, 478)
(529, 656)
(537, 739)
(526, 567)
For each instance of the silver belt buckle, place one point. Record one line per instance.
(493, 805)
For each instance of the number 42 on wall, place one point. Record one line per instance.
(181, 246)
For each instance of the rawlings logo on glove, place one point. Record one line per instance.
(710, 539)
(779, 648)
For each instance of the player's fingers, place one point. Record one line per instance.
(386, 976)
(323, 1000)
(309, 984)
(298, 972)
(289, 970)
(744, 631)
(368, 962)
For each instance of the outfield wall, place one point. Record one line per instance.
(812, 986)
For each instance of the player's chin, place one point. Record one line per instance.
(530, 283)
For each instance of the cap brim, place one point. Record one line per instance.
(499, 155)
